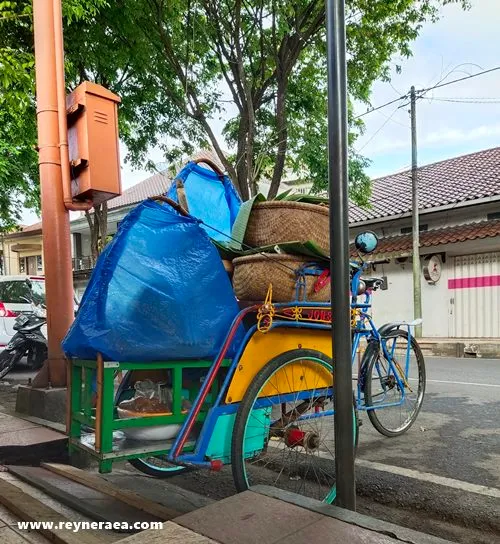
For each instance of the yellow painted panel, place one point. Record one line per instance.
(299, 376)
(263, 347)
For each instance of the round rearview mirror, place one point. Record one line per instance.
(366, 242)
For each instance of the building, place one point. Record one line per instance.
(22, 251)
(459, 245)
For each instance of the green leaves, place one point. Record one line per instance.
(182, 67)
(18, 135)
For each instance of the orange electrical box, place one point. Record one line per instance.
(93, 143)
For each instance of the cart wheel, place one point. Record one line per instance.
(284, 429)
(158, 467)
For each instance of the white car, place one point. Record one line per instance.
(15, 292)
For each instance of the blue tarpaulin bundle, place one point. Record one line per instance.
(211, 197)
(159, 292)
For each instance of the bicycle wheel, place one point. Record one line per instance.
(396, 404)
(284, 428)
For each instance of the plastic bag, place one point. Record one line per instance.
(159, 292)
(148, 398)
(211, 197)
(152, 397)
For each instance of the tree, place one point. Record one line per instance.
(264, 58)
(98, 225)
(18, 157)
(181, 64)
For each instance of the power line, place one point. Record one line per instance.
(439, 85)
(382, 106)
(468, 100)
(421, 92)
(377, 131)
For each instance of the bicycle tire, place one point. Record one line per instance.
(238, 460)
(375, 415)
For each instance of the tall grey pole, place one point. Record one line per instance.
(417, 290)
(339, 252)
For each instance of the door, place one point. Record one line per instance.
(474, 292)
(32, 266)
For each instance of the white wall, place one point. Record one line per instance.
(396, 304)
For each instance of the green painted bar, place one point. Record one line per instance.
(108, 405)
(76, 388)
(82, 411)
(177, 390)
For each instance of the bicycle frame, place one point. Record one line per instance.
(372, 334)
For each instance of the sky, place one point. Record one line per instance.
(460, 43)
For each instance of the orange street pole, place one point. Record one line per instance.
(55, 216)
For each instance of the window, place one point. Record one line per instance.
(22, 265)
(408, 230)
(39, 263)
(494, 215)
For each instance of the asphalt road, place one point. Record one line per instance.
(457, 433)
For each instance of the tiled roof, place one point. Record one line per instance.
(456, 180)
(397, 245)
(156, 184)
(152, 186)
(30, 228)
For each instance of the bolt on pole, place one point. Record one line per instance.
(417, 288)
(339, 252)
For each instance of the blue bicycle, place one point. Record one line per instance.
(391, 375)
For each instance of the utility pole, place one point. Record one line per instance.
(417, 292)
(55, 217)
(339, 252)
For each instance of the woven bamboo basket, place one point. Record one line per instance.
(253, 274)
(279, 221)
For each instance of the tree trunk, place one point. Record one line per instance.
(249, 152)
(241, 157)
(98, 225)
(282, 135)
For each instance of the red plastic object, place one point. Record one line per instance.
(216, 465)
(294, 437)
(322, 281)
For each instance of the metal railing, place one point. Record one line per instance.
(83, 263)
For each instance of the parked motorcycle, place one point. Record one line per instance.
(29, 340)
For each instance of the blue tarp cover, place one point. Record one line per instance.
(159, 292)
(210, 197)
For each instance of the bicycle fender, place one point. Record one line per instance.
(388, 327)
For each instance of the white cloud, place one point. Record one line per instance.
(460, 40)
